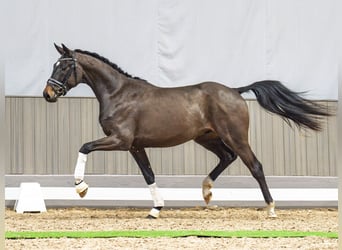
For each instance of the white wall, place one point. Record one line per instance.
(179, 42)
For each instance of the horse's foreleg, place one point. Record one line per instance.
(158, 201)
(80, 185)
(108, 143)
(145, 167)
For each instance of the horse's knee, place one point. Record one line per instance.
(86, 148)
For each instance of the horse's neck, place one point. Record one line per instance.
(103, 80)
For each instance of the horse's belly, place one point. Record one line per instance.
(166, 138)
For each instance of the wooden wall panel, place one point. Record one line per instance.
(44, 138)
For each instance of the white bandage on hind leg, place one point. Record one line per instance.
(156, 196)
(80, 166)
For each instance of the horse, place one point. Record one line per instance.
(135, 114)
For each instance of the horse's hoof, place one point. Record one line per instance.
(270, 210)
(272, 216)
(81, 188)
(150, 217)
(83, 193)
(207, 197)
(154, 213)
(207, 184)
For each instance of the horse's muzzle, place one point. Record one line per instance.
(49, 94)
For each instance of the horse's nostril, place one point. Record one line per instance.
(46, 95)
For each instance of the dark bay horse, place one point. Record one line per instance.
(135, 114)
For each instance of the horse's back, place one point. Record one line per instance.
(204, 101)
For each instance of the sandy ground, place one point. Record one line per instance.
(173, 219)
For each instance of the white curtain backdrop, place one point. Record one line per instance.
(178, 42)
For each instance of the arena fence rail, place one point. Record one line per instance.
(178, 191)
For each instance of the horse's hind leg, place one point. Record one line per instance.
(224, 153)
(256, 169)
(247, 156)
(237, 139)
(145, 167)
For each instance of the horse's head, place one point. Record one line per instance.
(66, 74)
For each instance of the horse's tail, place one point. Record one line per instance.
(276, 98)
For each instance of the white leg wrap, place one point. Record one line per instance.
(80, 185)
(80, 166)
(157, 198)
(270, 210)
(154, 212)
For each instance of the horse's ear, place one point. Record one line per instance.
(67, 51)
(59, 49)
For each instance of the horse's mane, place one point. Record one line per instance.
(105, 60)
